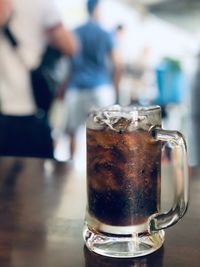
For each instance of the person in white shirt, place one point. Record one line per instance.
(35, 24)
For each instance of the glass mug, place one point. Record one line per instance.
(123, 217)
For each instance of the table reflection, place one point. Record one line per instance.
(95, 260)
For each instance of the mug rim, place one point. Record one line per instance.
(127, 109)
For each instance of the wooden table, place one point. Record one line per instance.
(41, 219)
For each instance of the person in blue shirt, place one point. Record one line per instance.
(95, 73)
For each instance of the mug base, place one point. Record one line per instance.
(122, 246)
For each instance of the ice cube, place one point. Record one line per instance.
(118, 118)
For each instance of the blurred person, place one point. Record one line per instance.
(118, 33)
(34, 25)
(94, 82)
(139, 80)
(194, 118)
(171, 92)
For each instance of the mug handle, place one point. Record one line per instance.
(176, 140)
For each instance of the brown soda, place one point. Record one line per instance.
(123, 169)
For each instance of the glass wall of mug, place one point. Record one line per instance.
(124, 181)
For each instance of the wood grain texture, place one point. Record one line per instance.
(41, 220)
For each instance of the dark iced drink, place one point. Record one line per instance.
(123, 171)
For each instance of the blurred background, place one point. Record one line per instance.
(157, 43)
(158, 48)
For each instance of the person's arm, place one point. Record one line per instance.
(5, 12)
(63, 39)
(59, 36)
